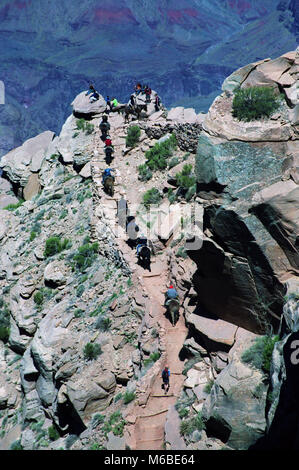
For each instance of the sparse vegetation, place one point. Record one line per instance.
(153, 358)
(145, 174)
(188, 426)
(128, 397)
(254, 103)
(38, 298)
(185, 179)
(12, 207)
(85, 256)
(53, 433)
(54, 245)
(104, 323)
(92, 351)
(85, 126)
(158, 155)
(4, 321)
(152, 196)
(260, 353)
(209, 386)
(133, 136)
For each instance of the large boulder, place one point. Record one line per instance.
(280, 74)
(83, 107)
(21, 162)
(235, 409)
(278, 209)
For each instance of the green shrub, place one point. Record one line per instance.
(85, 256)
(184, 179)
(188, 426)
(32, 236)
(153, 358)
(80, 290)
(190, 193)
(63, 214)
(173, 162)
(12, 207)
(157, 156)
(152, 196)
(104, 323)
(38, 298)
(254, 103)
(133, 136)
(4, 322)
(183, 413)
(16, 445)
(145, 173)
(128, 397)
(209, 386)
(92, 351)
(97, 419)
(260, 353)
(54, 245)
(53, 433)
(171, 196)
(118, 397)
(89, 128)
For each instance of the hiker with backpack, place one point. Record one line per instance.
(94, 96)
(165, 378)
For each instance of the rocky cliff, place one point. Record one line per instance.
(84, 332)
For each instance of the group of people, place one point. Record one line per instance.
(113, 103)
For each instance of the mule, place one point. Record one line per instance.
(109, 185)
(144, 257)
(173, 307)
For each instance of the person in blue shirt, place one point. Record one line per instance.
(106, 173)
(94, 96)
(171, 293)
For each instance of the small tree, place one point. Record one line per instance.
(254, 103)
(133, 136)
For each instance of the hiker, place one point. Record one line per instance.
(165, 378)
(104, 126)
(157, 103)
(132, 229)
(114, 103)
(95, 95)
(108, 141)
(171, 293)
(138, 88)
(108, 106)
(148, 93)
(106, 173)
(132, 101)
(142, 241)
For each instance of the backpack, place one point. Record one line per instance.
(165, 375)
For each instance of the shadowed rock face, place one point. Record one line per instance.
(50, 52)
